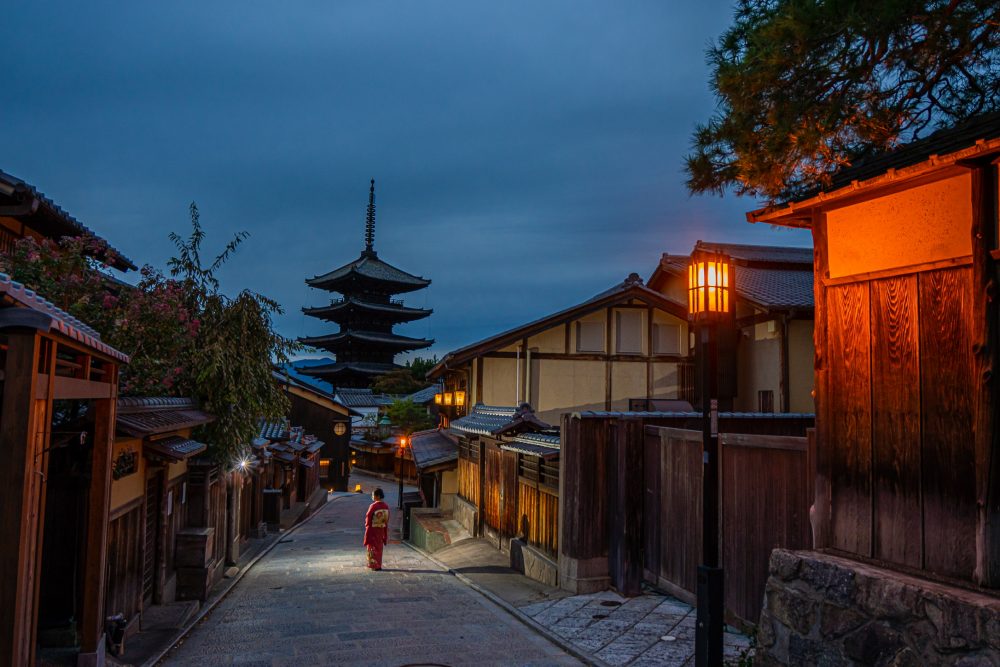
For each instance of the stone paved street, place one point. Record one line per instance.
(311, 601)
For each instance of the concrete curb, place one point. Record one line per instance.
(562, 643)
(204, 611)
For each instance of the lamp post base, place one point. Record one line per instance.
(710, 623)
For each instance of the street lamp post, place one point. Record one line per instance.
(709, 299)
(403, 442)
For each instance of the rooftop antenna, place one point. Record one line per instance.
(370, 222)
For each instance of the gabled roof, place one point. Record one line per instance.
(142, 417)
(630, 288)
(368, 267)
(484, 419)
(425, 395)
(769, 277)
(976, 138)
(289, 380)
(16, 294)
(49, 218)
(433, 448)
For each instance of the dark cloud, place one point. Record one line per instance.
(528, 155)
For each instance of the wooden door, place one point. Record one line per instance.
(150, 545)
(508, 495)
(492, 501)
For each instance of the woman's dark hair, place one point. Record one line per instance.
(378, 493)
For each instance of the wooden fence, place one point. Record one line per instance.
(765, 492)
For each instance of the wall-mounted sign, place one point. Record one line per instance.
(340, 428)
(125, 464)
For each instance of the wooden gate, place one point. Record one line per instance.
(501, 493)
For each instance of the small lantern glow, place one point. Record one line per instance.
(357, 488)
(448, 396)
(709, 280)
(438, 398)
(403, 442)
(459, 398)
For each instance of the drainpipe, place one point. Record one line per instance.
(517, 371)
(527, 375)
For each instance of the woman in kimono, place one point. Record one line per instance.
(376, 529)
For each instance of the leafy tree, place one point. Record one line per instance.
(420, 366)
(397, 381)
(183, 335)
(805, 87)
(408, 416)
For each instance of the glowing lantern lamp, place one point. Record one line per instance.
(459, 398)
(357, 488)
(403, 442)
(710, 282)
(448, 397)
(438, 398)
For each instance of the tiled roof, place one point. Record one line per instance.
(484, 419)
(530, 448)
(377, 337)
(761, 253)
(347, 368)
(369, 266)
(174, 448)
(775, 288)
(425, 395)
(432, 448)
(145, 416)
(62, 321)
(274, 430)
(397, 311)
(942, 142)
(286, 375)
(362, 398)
(542, 439)
(11, 186)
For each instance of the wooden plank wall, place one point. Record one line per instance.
(492, 486)
(468, 480)
(124, 579)
(538, 509)
(759, 517)
(900, 453)
(583, 504)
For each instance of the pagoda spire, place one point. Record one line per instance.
(370, 222)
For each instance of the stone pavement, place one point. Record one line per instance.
(652, 629)
(311, 601)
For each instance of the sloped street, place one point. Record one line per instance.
(311, 601)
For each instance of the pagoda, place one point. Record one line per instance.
(365, 346)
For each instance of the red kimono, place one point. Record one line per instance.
(376, 532)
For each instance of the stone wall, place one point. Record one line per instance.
(824, 610)
(466, 514)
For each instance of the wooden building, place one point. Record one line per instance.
(365, 345)
(435, 458)
(508, 479)
(59, 390)
(149, 494)
(629, 342)
(26, 212)
(767, 354)
(320, 414)
(292, 488)
(908, 444)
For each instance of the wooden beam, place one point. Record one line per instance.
(559, 356)
(898, 271)
(987, 395)
(96, 550)
(820, 512)
(20, 488)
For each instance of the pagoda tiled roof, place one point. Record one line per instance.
(339, 339)
(369, 267)
(391, 311)
(333, 372)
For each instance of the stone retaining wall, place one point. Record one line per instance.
(466, 514)
(824, 610)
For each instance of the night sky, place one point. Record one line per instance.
(527, 155)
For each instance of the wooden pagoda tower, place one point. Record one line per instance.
(365, 346)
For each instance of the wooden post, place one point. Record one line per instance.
(20, 489)
(626, 508)
(96, 550)
(820, 511)
(984, 318)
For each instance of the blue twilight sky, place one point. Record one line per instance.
(528, 155)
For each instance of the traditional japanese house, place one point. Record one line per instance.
(907, 440)
(435, 458)
(292, 489)
(26, 212)
(57, 414)
(148, 509)
(766, 355)
(321, 414)
(508, 483)
(629, 342)
(365, 345)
